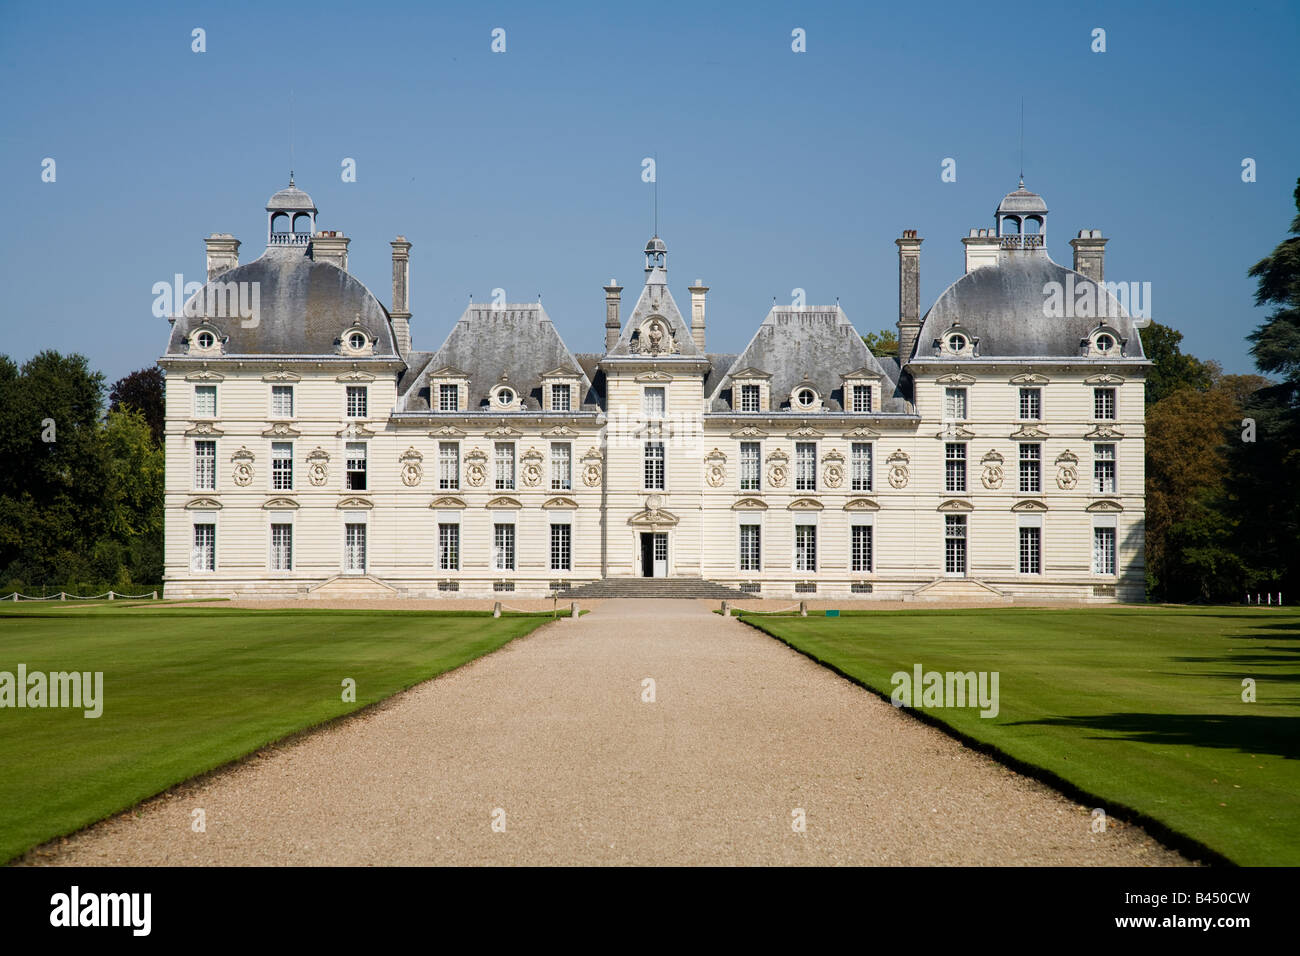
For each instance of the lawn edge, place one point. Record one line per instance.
(1187, 845)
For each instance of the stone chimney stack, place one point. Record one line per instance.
(697, 312)
(401, 309)
(982, 248)
(223, 253)
(331, 247)
(613, 324)
(909, 293)
(1090, 254)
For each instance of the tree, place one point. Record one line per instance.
(1171, 369)
(143, 391)
(883, 344)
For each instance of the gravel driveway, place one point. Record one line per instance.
(550, 734)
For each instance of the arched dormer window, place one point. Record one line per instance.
(957, 342)
(1103, 342)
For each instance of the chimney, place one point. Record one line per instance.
(400, 312)
(1090, 254)
(331, 247)
(613, 324)
(223, 253)
(697, 312)
(983, 248)
(909, 293)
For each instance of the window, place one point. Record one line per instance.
(954, 404)
(561, 398)
(1103, 403)
(448, 465)
(654, 465)
(504, 456)
(1031, 468)
(751, 540)
(750, 469)
(448, 547)
(861, 547)
(561, 547)
(805, 547)
(356, 401)
(281, 547)
(1104, 343)
(805, 457)
(282, 401)
(956, 343)
(205, 340)
(356, 341)
(862, 398)
(205, 401)
(954, 533)
(561, 466)
(448, 398)
(205, 465)
(954, 475)
(354, 547)
(1031, 404)
(1031, 557)
(281, 466)
(1103, 469)
(1103, 550)
(204, 555)
(654, 401)
(356, 466)
(860, 461)
(503, 547)
(749, 398)
(806, 397)
(505, 396)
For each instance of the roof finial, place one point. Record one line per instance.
(291, 177)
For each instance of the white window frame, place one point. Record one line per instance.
(281, 466)
(863, 392)
(280, 558)
(805, 558)
(198, 465)
(861, 465)
(1030, 468)
(356, 403)
(448, 477)
(950, 525)
(504, 545)
(856, 564)
(751, 394)
(278, 393)
(1029, 548)
(1105, 404)
(448, 397)
(448, 545)
(562, 550)
(503, 465)
(198, 564)
(561, 466)
(751, 466)
(349, 451)
(953, 477)
(955, 401)
(750, 561)
(208, 392)
(1109, 530)
(805, 466)
(654, 471)
(564, 393)
(654, 402)
(1033, 397)
(1105, 457)
(351, 521)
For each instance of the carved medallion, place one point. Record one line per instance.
(715, 468)
(778, 470)
(243, 460)
(318, 471)
(476, 468)
(412, 467)
(530, 471)
(1067, 470)
(898, 469)
(993, 474)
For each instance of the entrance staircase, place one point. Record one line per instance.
(958, 589)
(655, 588)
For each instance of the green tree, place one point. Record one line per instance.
(1171, 368)
(143, 391)
(883, 344)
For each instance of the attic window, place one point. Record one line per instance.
(505, 396)
(205, 340)
(806, 397)
(1104, 343)
(357, 341)
(956, 342)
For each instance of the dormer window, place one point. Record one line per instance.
(357, 341)
(503, 397)
(205, 340)
(806, 397)
(1104, 342)
(448, 398)
(956, 342)
(749, 398)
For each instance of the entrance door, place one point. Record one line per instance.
(661, 554)
(654, 554)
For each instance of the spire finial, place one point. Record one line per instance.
(291, 177)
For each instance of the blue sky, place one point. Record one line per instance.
(522, 170)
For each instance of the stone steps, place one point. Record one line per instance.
(678, 588)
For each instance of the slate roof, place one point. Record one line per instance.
(304, 308)
(1022, 202)
(291, 197)
(1003, 307)
(656, 300)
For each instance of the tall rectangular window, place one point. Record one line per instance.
(448, 465)
(281, 547)
(654, 401)
(1103, 550)
(561, 398)
(205, 401)
(805, 466)
(1103, 403)
(448, 546)
(1103, 469)
(1031, 555)
(504, 456)
(354, 547)
(282, 401)
(1031, 467)
(954, 404)
(561, 547)
(749, 398)
(751, 541)
(860, 466)
(448, 398)
(204, 555)
(1031, 404)
(954, 469)
(561, 466)
(357, 403)
(282, 466)
(750, 468)
(862, 398)
(805, 547)
(503, 547)
(205, 465)
(654, 465)
(860, 550)
(954, 552)
(356, 466)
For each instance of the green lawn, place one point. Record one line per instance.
(190, 689)
(1138, 707)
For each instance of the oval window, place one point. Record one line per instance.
(1105, 343)
(806, 397)
(956, 342)
(505, 396)
(356, 340)
(205, 340)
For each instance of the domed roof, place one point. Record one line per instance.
(1021, 202)
(291, 198)
(655, 245)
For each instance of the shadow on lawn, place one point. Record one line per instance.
(1252, 735)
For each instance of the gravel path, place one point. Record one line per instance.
(552, 730)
